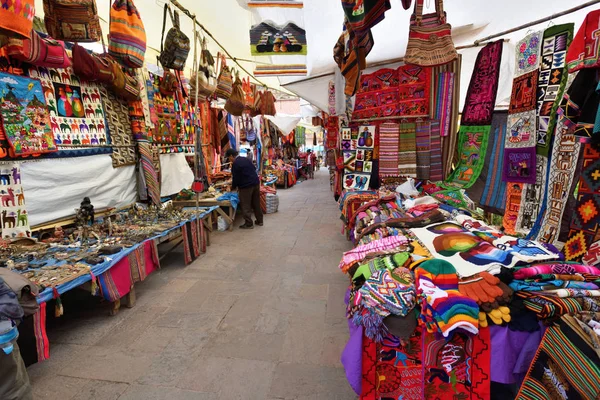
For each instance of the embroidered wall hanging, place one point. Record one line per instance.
(524, 93)
(585, 50)
(13, 214)
(532, 197)
(472, 147)
(521, 130)
(399, 368)
(270, 39)
(167, 128)
(24, 116)
(519, 165)
(514, 193)
(445, 101)
(551, 81)
(481, 95)
(401, 92)
(333, 131)
(585, 228)
(407, 150)
(365, 149)
(527, 55)
(119, 127)
(76, 113)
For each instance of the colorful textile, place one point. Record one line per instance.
(270, 39)
(13, 213)
(551, 82)
(566, 365)
(370, 381)
(300, 136)
(585, 227)
(524, 94)
(472, 148)
(444, 101)
(362, 15)
(76, 111)
(554, 268)
(193, 241)
(532, 198)
(552, 307)
(519, 165)
(151, 175)
(41, 337)
(357, 149)
(333, 132)
(24, 116)
(494, 192)
(167, 128)
(527, 56)
(436, 172)
(584, 52)
(399, 368)
(521, 129)
(359, 253)
(483, 87)
(119, 127)
(389, 135)
(423, 145)
(458, 368)
(407, 150)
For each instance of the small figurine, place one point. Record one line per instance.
(59, 234)
(85, 214)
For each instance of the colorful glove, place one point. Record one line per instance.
(498, 316)
(482, 287)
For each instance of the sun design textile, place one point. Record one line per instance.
(76, 111)
(472, 148)
(401, 92)
(407, 150)
(458, 368)
(352, 257)
(481, 95)
(551, 82)
(399, 368)
(13, 212)
(444, 101)
(423, 142)
(566, 365)
(389, 136)
(585, 227)
(494, 191)
(527, 56)
(585, 49)
(119, 127)
(24, 116)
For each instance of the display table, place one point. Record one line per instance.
(218, 206)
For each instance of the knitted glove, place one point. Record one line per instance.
(482, 287)
(498, 316)
(507, 294)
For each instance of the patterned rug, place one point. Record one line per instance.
(399, 370)
(388, 149)
(472, 147)
(514, 197)
(119, 126)
(532, 197)
(423, 142)
(407, 150)
(494, 190)
(481, 95)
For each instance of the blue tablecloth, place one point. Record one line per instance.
(231, 197)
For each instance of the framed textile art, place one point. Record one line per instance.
(76, 111)
(13, 215)
(472, 148)
(527, 56)
(524, 93)
(25, 117)
(167, 127)
(519, 165)
(357, 149)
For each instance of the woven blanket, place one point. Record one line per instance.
(389, 136)
(555, 268)
(472, 147)
(399, 368)
(444, 101)
(423, 139)
(436, 172)
(407, 150)
(551, 307)
(370, 381)
(483, 87)
(566, 365)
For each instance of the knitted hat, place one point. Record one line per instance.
(390, 263)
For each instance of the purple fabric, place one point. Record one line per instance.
(519, 165)
(512, 352)
(352, 354)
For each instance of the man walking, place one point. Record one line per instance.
(246, 180)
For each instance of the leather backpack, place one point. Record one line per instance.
(175, 48)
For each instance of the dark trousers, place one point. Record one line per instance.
(14, 381)
(249, 201)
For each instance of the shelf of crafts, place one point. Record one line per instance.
(114, 259)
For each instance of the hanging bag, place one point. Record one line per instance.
(72, 20)
(204, 81)
(92, 67)
(267, 103)
(235, 103)
(430, 37)
(17, 21)
(175, 48)
(38, 51)
(225, 81)
(127, 37)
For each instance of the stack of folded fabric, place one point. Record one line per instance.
(443, 308)
(352, 258)
(377, 211)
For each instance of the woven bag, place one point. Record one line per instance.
(127, 37)
(175, 48)
(168, 84)
(92, 67)
(16, 18)
(267, 103)
(72, 20)
(225, 81)
(235, 103)
(430, 37)
(42, 52)
(123, 84)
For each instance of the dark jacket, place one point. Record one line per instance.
(243, 174)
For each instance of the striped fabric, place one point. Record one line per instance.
(436, 172)
(494, 193)
(282, 69)
(39, 331)
(127, 38)
(151, 175)
(389, 135)
(423, 150)
(407, 150)
(445, 93)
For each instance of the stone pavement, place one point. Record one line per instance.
(260, 316)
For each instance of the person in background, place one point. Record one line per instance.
(246, 181)
(310, 164)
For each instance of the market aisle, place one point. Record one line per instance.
(260, 316)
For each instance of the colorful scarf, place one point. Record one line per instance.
(356, 255)
(585, 50)
(494, 192)
(423, 142)
(444, 101)
(555, 268)
(388, 150)
(436, 172)
(551, 307)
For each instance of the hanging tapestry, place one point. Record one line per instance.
(389, 134)
(76, 111)
(532, 197)
(521, 130)
(551, 82)
(472, 148)
(24, 116)
(119, 128)
(357, 171)
(269, 39)
(527, 55)
(489, 187)
(407, 150)
(399, 368)
(566, 365)
(190, 121)
(585, 227)
(458, 368)
(481, 95)
(436, 173)
(423, 140)
(300, 136)
(331, 99)
(585, 50)
(524, 93)
(167, 128)
(333, 132)
(15, 220)
(365, 148)
(401, 92)
(444, 101)
(519, 165)
(362, 15)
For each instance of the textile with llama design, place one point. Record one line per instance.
(13, 214)
(76, 111)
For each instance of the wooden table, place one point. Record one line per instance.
(228, 216)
